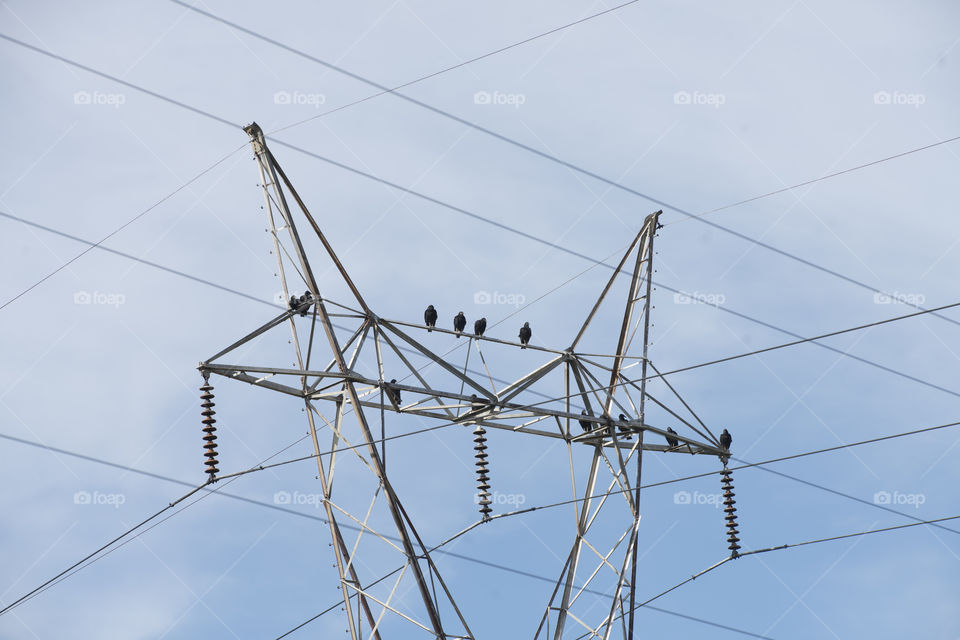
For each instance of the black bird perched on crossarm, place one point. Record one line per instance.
(726, 440)
(586, 425)
(476, 403)
(525, 334)
(672, 441)
(459, 322)
(480, 326)
(393, 393)
(430, 318)
(623, 429)
(303, 303)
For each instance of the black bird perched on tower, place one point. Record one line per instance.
(586, 425)
(393, 393)
(726, 440)
(459, 322)
(672, 441)
(430, 318)
(525, 334)
(304, 303)
(480, 326)
(623, 429)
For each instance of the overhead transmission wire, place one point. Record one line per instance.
(470, 214)
(727, 206)
(777, 548)
(645, 603)
(487, 563)
(384, 90)
(435, 73)
(548, 156)
(116, 230)
(801, 339)
(215, 285)
(54, 579)
(109, 546)
(232, 477)
(804, 340)
(745, 465)
(823, 177)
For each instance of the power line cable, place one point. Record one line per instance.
(494, 565)
(470, 214)
(118, 229)
(804, 340)
(30, 593)
(825, 177)
(779, 548)
(574, 167)
(435, 73)
(108, 548)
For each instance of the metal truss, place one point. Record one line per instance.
(340, 377)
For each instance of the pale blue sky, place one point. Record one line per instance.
(696, 106)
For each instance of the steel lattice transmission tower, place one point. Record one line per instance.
(600, 407)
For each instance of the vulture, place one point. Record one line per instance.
(393, 393)
(430, 318)
(525, 334)
(459, 322)
(672, 441)
(480, 326)
(586, 425)
(726, 440)
(623, 429)
(304, 303)
(475, 402)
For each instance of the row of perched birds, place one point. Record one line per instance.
(672, 441)
(460, 323)
(301, 304)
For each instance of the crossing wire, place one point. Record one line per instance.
(583, 171)
(123, 226)
(467, 213)
(727, 206)
(779, 548)
(232, 477)
(109, 547)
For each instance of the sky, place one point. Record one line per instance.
(498, 188)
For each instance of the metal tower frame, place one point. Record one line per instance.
(617, 444)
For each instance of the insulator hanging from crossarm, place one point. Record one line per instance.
(209, 430)
(483, 480)
(731, 512)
